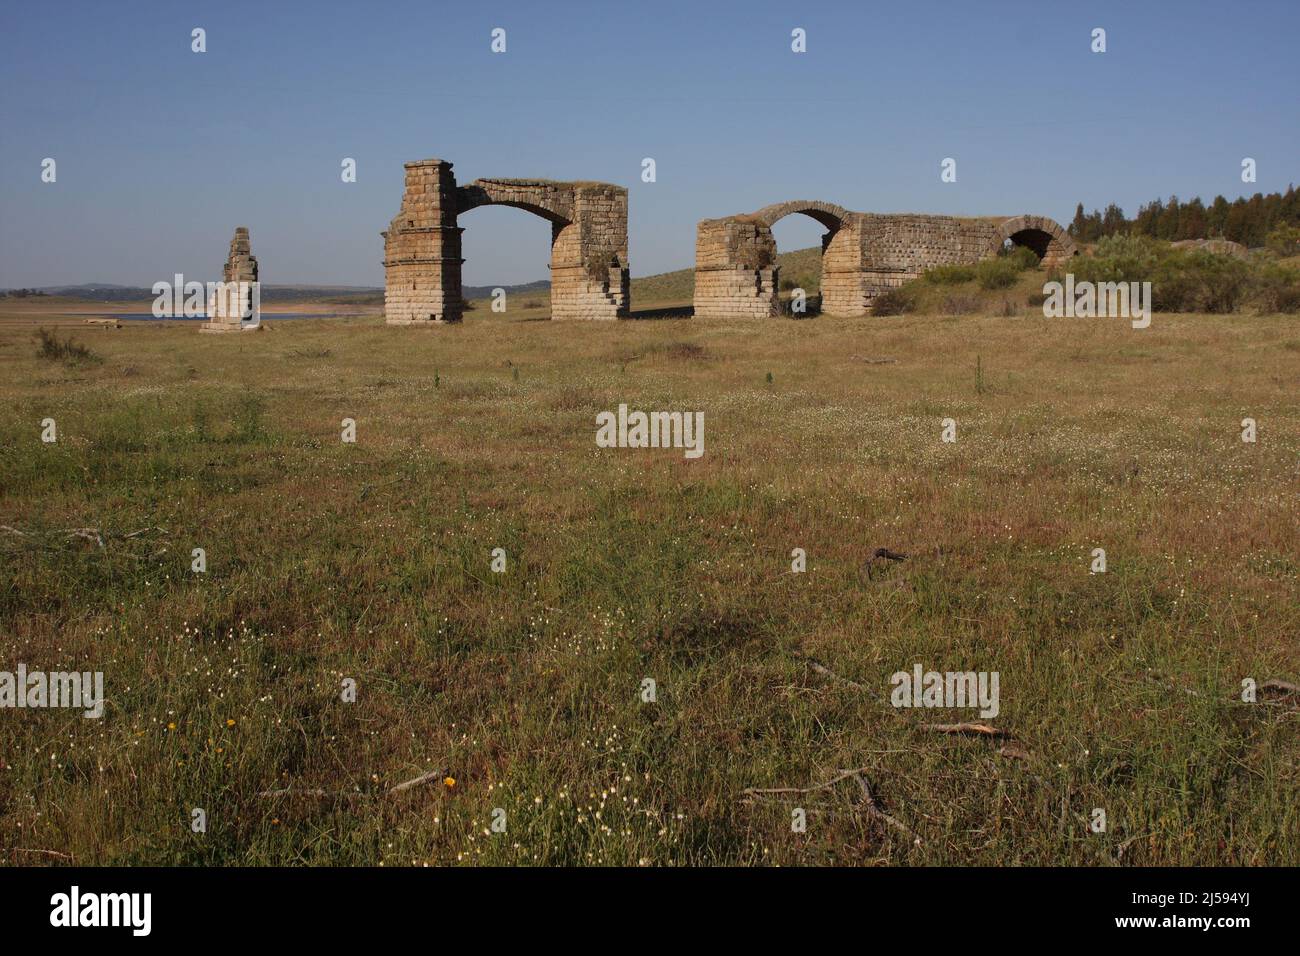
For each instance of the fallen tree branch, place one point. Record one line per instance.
(983, 730)
(880, 814)
(1283, 686)
(825, 671)
(421, 780)
(90, 534)
(825, 785)
(62, 856)
(134, 534)
(869, 803)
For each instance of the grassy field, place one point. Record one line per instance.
(370, 561)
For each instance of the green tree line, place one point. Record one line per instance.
(1271, 220)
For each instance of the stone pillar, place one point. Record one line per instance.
(844, 282)
(233, 302)
(589, 270)
(736, 275)
(422, 257)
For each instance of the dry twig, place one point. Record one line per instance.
(983, 730)
(880, 814)
(421, 780)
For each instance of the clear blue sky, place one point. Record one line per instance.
(161, 152)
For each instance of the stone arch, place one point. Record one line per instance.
(827, 213)
(540, 197)
(736, 271)
(1051, 243)
(842, 262)
(422, 248)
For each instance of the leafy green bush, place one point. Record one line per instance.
(1276, 289)
(999, 273)
(1181, 280)
(1284, 240)
(1121, 259)
(1199, 282)
(812, 306)
(1022, 257)
(950, 275)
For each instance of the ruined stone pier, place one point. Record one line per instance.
(238, 296)
(422, 249)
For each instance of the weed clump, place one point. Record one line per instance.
(895, 301)
(53, 349)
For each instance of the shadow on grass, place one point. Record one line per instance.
(667, 312)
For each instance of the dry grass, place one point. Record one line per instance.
(371, 561)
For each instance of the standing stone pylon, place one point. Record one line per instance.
(239, 298)
(422, 249)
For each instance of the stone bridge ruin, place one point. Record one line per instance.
(422, 260)
(736, 275)
(863, 254)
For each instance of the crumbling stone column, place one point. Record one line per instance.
(735, 269)
(231, 304)
(422, 258)
(589, 272)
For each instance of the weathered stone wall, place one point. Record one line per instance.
(863, 254)
(422, 252)
(228, 307)
(897, 248)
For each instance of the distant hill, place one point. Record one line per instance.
(109, 292)
(801, 267)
